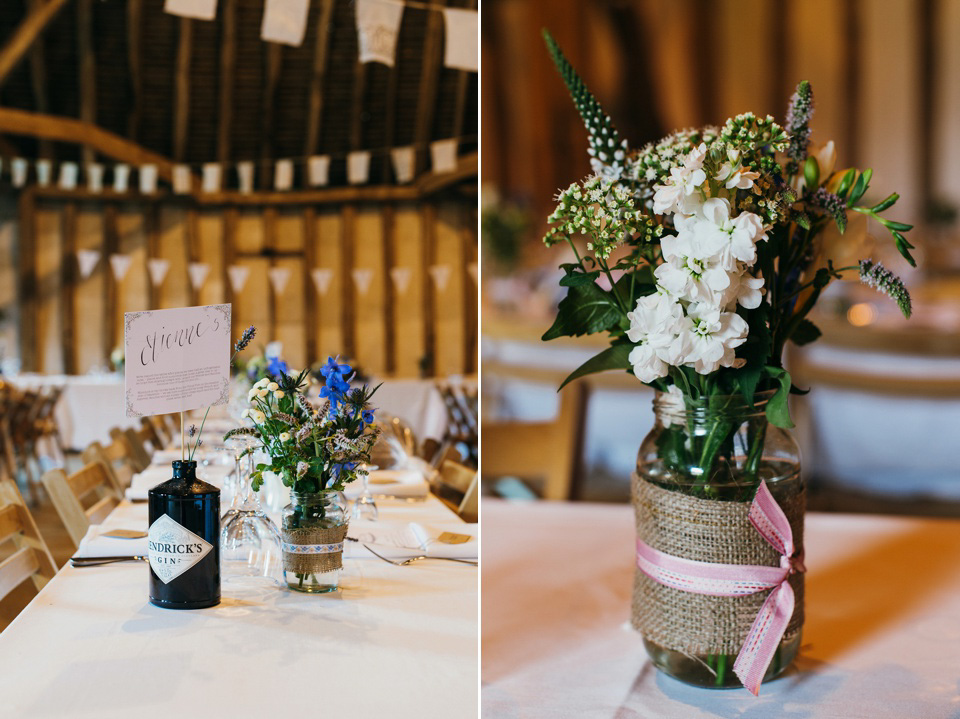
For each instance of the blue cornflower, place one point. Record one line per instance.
(333, 368)
(343, 466)
(276, 367)
(367, 416)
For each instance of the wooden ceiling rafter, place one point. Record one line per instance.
(320, 54)
(228, 63)
(271, 80)
(429, 84)
(134, 28)
(181, 102)
(87, 70)
(38, 81)
(26, 34)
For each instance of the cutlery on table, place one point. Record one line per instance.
(94, 561)
(411, 560)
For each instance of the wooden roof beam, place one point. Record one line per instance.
(228, 63)
(181, 109)
(87, 69)
(320, 53)
(25, 35)
(429, 81)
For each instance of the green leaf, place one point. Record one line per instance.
(811, 172)
(778, 410)
(846, 182)
(586, 309)
(886, 204)
(643, 283)
(863, 182)
(896, 226)
(615, 357)
(574, 279)
(805, 333)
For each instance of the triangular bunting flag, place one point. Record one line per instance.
(279, 277)
(283, 175)
(378, 24)
(121, 177)
(44, 170)
(318, 168)
(94, 177)
(18, 170)
(157, 268)
(440, 275)
(198, 272)
(148, 179)
(212, 177)
(401, 278)
(87, 260)
(182, 179)
(443, 155)
(69, 173)
(362, 277)
(245, 176)
(358, 167)
(461, 50)
(238, 275)
(197, 9)
(321, 277)
(120, 265)
(285, 21)
(403, 158)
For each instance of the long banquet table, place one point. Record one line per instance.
(394, 642)
(882, 633)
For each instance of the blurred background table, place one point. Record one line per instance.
(882, 633)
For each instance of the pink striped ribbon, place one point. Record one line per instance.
(737, 580)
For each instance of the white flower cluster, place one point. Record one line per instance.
(691, 320)
(260, 391)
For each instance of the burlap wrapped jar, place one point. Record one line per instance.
(313, 532)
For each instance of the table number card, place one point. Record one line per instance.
(177, 359)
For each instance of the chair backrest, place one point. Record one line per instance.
(469, 509)
(148, 433)
(90, 486)
(135, 451)
(32, 559)
(114, 458)
(456, 475)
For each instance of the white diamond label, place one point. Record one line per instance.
(173, 548)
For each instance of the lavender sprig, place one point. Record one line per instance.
(875, 275)
(799, 113)
(836, 207)
(245, 339)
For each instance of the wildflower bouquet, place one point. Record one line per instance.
(311, 450)
(703, 250)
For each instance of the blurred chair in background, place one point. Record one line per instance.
(83, 498)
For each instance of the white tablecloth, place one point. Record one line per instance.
(394, 642)
(882, 634)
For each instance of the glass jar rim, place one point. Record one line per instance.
(717, 405)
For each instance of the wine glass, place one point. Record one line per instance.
(365, 507)
(250, 545)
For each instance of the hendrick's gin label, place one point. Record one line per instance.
(184, 541)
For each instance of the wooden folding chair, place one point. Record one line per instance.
(469, 509)
(90, 486)
(138, 454)
(114, 458)
(32, 559)
(148, 433)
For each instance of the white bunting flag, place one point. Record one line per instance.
(18, 170)
(403, 158)
(473, 271)
(443, 155)
(358, 167)
(120, 265)
(285, 21)
(44, 170)
(182, 179)
(197, 9)
(121, 177)
(401, 278)
(87, 260)
(321, 277)
(198, 272)
(440, 275)
(212, 176)
(378, 24)
(461, 50)
(245, 176)
(279, 277)
(283, 175)
(362, 277)
(69, 173)
(318, 168)
(238, 275)
(157, 268)
(94, 177)
(148, 179)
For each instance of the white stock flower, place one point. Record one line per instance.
(733, 174)
(732, 240)
(694, 280)
(750, 291)
(680, 193)
(711, 336)
(654, 326)
(647, 366)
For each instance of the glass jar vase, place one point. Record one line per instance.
(314, 529)
(697, 473)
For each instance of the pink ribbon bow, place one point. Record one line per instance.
(737, 580)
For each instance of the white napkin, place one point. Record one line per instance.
(401, 540)
(406, 483)
(94, 544)
(155, 474)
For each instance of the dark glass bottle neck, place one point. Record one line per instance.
(184, 469)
